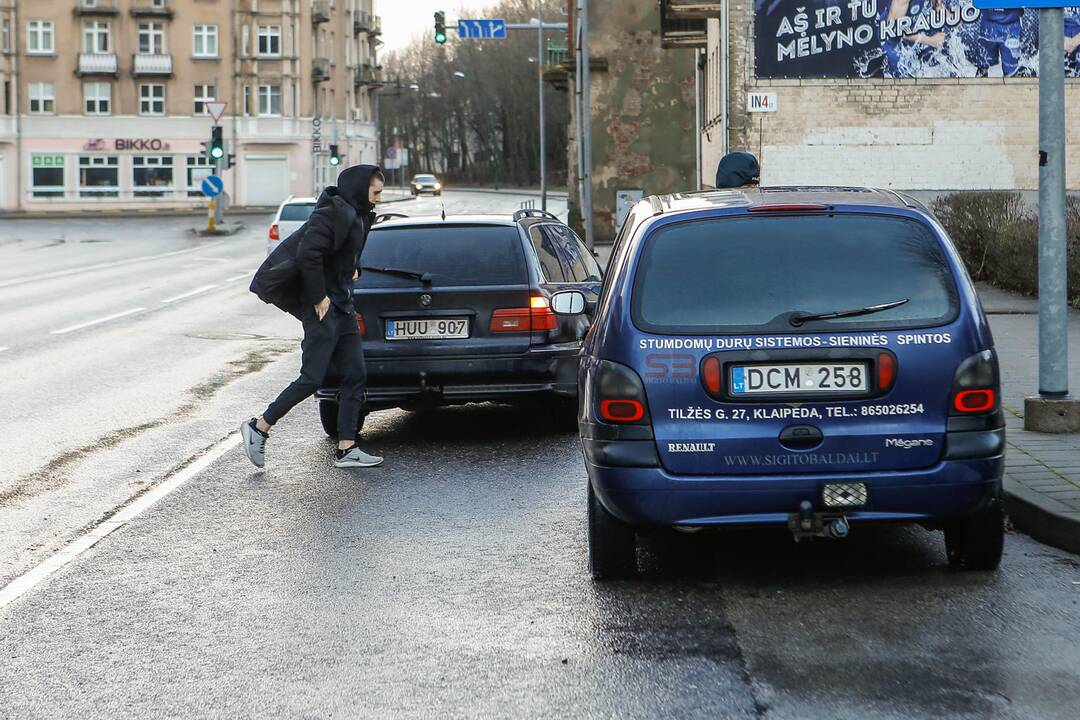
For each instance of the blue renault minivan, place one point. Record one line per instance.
(813, 359)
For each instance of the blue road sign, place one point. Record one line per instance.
(212, 186)
(1023, 4)
(482, 29)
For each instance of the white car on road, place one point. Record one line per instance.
(293, 213)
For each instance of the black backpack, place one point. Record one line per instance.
(277, 281)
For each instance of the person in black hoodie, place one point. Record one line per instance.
(327, 256)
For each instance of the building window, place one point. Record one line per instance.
(152, 38)
(97, 96)
(204, 94)
(5, 36)
(47, 175)
(152, 99)
(269, 39)
(245, 41)
(152, 175)
(205, 41)
(269, 99)
(99, 176)
(199, 167)
(40, 37)
(42, 99)
(96, 36)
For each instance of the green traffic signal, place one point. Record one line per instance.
(217, 152)
(217, 144)
(440, 38)
(440, 27)
(335, 156)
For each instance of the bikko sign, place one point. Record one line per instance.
(121, 144)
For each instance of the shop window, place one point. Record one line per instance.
(152, 175)
(199, 167)
(152, 99)
(47, 176)
(98, 97)
(99, 176)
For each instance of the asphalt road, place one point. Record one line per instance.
(452, 581)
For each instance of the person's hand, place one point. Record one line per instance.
(322, 308)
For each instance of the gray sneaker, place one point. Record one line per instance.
(354, 457)
(254, 442)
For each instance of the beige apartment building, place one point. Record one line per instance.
(105, 102)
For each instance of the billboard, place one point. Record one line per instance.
(901, 39)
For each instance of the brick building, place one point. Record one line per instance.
(878, 112)
(104, 101)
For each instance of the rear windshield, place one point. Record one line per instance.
(455, 255)
(297, 212)
(750, 274)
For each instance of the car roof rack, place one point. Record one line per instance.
(388, 216)
(532, 212)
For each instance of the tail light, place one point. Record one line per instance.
(535, 318)
(711, 375)
(274, 232)
(619, 395)
(361, 325)
(975, 385)
(886, 371)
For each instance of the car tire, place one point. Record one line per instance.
(977, 541)
(328, 412)
(612, 543)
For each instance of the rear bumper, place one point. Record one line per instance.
(393, 382)
(651, 496)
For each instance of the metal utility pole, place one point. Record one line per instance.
(540, 85)
(586, 113)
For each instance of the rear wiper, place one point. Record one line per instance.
(398, 272)
(798, 318)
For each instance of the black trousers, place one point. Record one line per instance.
(331, 347)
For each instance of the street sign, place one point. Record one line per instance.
(482, 29)
(216, 110)
(212, 186)
(391, 152)
(761, 102)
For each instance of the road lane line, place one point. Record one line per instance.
(102, 266)
(27, 582)
(234, 278)
(190, 293)
(80, 326)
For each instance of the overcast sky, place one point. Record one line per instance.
(403, 20)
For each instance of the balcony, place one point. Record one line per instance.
(152, 64)
(97, 64)
(321, 11)
(367, 74)
(320, 69)
(693, 9)
(148, 8)
(366, 22)
(682, 30)
(96, 7)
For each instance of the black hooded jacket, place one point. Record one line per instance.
(318, 260)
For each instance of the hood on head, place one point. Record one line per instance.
(354, 183)
(736, 169)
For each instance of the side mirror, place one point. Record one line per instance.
(571, 302)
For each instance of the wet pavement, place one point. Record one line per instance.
(452, 581)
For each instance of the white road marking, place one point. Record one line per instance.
(25, 583)
(190, 293)
(234, 278)
(102, 266)
(80, 326)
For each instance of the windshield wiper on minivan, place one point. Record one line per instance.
(398, 272)
(798, 319)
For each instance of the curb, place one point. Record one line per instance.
(1035, 515)
(223, 230)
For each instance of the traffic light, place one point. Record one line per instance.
(335, 158)
(440, 27)
(217, 145)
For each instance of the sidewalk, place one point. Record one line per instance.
(1042, 472)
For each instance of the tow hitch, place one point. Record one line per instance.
(807, 524)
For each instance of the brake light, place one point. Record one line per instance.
(361, 325)
(626, 411)
(974, 401)
(886, 371)
(274, 232)
(710, 374)
(788, 207)
(535, 318)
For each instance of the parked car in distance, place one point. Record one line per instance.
(814, 359)
(425, 184)
(459, 310)
(292, 213)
